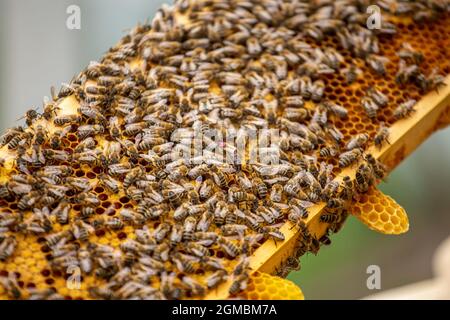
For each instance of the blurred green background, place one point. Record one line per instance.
(37, 51)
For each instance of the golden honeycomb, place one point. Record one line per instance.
(380, 213)
(263, 286)
(31, 262)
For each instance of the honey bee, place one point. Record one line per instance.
(92, 112)
(104, 293)
(404, 109)
(276, 193)
(85, 258)
(189, 228)
(49, 110)
(112, 152)
(194, 287)
(328, 217)
(295, 114)
(28, 200)
(377, 63)
(81, 230)
(132, 217)
(233, 229)
(335, 108)
(58, 170)
(407, 52)
(364, 178)
(295, 101)
(196, 249)
(132, 176)
(351, 73)
(40, 134)
(11, 287)
(433, 81)
(168, 286)
(349, 157)
(273, 233)
(206, 189)
(231, 249)
(407, 73)
(62, 212)
(44, 294)
(336, 203)
(335, 133)
(53, 239)
(14, 142)
(85, 131)
(260, 187)
(358, 141)
(328, 151)
(216, 278)
(382, 135)
(220, 213)
(378, 168)
(113, 223)
(7, 247)
(10, 134)
(221, 178)
(130, 149)
(67, 119)
(347, 189)
(317, 90)
(30, 116)
(378, 97)
(369, 106)
(330, 190)
(239, 284)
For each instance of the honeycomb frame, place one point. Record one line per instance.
(432, 113)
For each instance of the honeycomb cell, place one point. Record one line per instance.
(264, 286)
(389, 219)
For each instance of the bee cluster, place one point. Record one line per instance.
(221, 65)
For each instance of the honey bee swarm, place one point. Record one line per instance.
(94, 202)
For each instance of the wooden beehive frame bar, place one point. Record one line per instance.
(432, 112)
